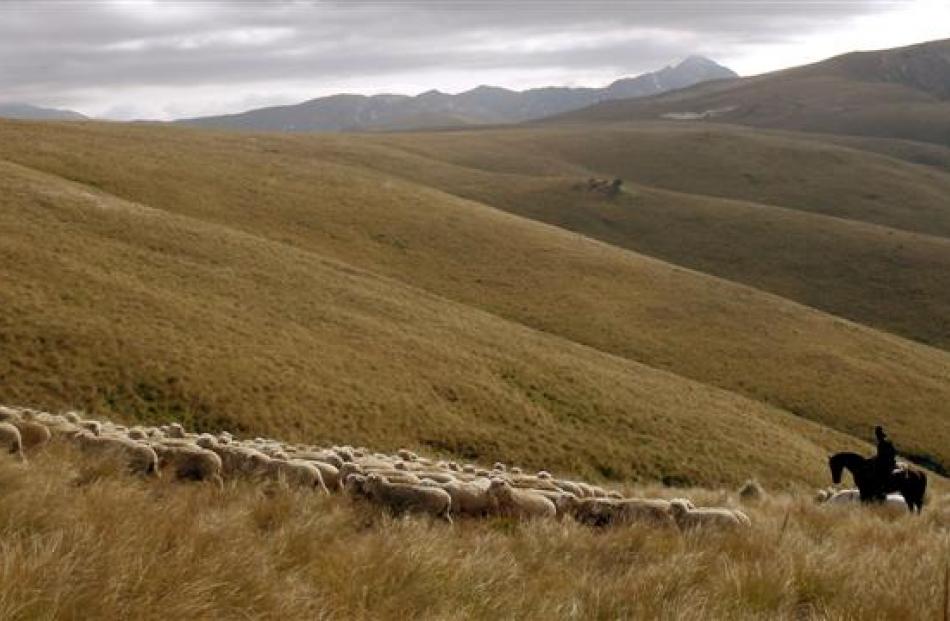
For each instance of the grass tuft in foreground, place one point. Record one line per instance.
(78, 543)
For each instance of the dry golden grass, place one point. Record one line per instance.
(888, 278)
(273, 284)
(136, 313)
(114, 547)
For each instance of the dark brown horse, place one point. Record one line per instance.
(908, 482)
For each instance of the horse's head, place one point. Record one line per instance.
(837, 467)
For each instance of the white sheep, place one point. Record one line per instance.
(853, 496)
(33, 434)
(10, 441)
(296, 472)
(519, 503)
(138, 458)
(697, 517)
(401, 498)
(190, 463)
(92, 426)
(468, 498)
(175, 430)
(406, 455)
(237, 460)
(610, 512)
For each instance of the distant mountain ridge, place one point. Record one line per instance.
(26, 111)
(894, 93)
(481, 105)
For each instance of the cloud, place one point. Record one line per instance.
(106, 57)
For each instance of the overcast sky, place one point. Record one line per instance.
(164, 59)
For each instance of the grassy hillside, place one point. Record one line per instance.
(252, 553)
(898, 93)
(118, 307)
(267, 277)
(892, 279)
(781, 169)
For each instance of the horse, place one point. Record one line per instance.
(909, 482)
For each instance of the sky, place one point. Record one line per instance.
(164, 59)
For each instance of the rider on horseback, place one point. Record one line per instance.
(886, 460)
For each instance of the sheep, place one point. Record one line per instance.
(34, 434)
(690, 518)
(392, 475)
(73, 417)
(440, 477)
(10, 441)
(137, 433)
(235, 459)
(584, 490)
(296, 472)
(92, 426)
(498, 467)
(174, 430)
(520, 503)
(406, 455)
(531, 482)
(566, 486)
(349, 469)
(401, 498)
(190, 462)
(138, 458)
(559, 498)
(852, 496)
(327, 457)
(468, 498)
(224, 438)
(345, 453)
(515, 471)
(544, 474)
(355, 486)
(609, 512)
(331, 476)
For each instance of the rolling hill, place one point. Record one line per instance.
(722, 210)
(482, 105)
(897, 93)
(289, 284)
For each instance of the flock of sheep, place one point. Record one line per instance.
(401, 483)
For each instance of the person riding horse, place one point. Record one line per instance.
(885, 463)
(879, 475)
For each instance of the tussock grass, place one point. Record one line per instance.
(118, 547)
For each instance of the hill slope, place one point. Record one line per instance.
(299, 195)
(125, 308)
(899, 93)
(482, 105)
(784, 235)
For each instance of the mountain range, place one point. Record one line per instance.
(896, 93)
(26, 111)
(479, 106)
